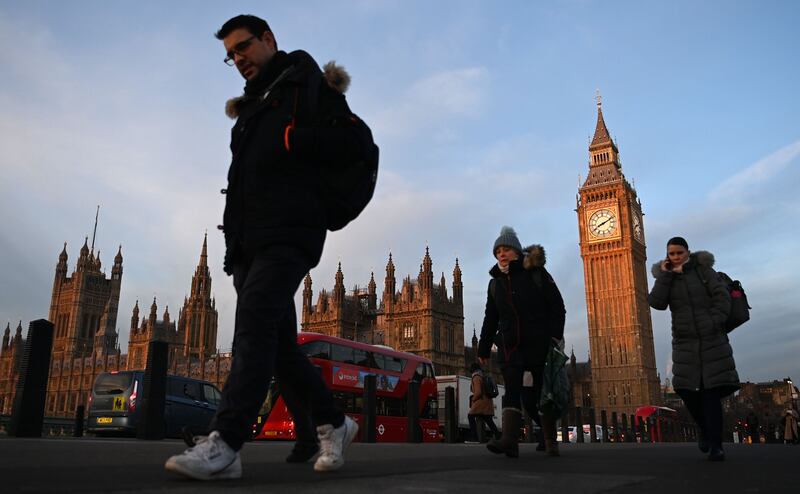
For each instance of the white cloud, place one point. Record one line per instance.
(742, 183)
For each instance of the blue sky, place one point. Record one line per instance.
(483, 111)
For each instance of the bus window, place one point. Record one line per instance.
(393, 364)
(364, 358)
(269, 401)
(429, 370)
(349, 402)
(317, 349)
(419, 373)
(392, 407)
(343, 354)
(430, 411)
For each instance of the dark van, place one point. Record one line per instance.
(116, 400)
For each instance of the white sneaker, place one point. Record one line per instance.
(209, 459)
(332, 444)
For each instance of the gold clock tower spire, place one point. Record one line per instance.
(612, 243)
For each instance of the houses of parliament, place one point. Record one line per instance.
(419, 315)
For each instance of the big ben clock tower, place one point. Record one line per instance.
(612, 242)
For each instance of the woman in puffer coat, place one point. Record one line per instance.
(702, 359)
(524, 313)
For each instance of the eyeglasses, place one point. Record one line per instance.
(238, 49)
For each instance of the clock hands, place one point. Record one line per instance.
(603, 223)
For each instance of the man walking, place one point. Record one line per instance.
(289, 125)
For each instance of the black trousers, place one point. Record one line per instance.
(476, 423)
(265, 345)
(705, 407)
(516, 395)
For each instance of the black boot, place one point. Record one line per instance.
(509, 441)
(302, 452)
(540, 440)
(716, 454)
(702, 443)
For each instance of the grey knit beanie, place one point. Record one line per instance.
(508, 237)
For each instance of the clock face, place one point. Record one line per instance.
(603, 223)
(637, 227)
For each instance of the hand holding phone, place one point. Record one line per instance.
(666, 265)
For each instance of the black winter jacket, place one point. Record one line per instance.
(524, 310)
(273, 194)
(699, 303)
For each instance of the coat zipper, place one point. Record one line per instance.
(516, 316)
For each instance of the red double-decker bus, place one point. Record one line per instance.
(663, 417)
(343, 365)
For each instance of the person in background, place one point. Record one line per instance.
(481, 409)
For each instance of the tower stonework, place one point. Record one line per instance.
(420, 318)
(612, 244)
(83, 310)
(197, 321)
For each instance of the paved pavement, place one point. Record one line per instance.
(127, 465)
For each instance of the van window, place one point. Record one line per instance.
(112, 384)
(211, 394)
(182, 388)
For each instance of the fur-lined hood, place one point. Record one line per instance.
(534, 256)
(700, 257)
(335, 75)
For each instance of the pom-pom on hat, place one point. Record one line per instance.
(508, 237)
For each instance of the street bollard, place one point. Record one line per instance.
(413, 431)
(79, 412)
(640, 427)
(27, 415)
(625, 429)
(592, 428)
(369, 420)
(154, 392)
(565, 427)
(527, 422)
(578, 425)
(615, 424)
(450, 418)
(604, 425)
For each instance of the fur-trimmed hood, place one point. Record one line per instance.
(534, 256)
(335, 75)
(700, 257)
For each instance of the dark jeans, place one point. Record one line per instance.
(705, 407)
(516, 395)
(265, 345)
(476, 425)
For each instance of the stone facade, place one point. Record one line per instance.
(419, 318)
(612, 244)
(83, 310)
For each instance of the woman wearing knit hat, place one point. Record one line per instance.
(524, 312)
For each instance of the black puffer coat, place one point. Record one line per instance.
(524, 309)
(701, 353)
(273, 193)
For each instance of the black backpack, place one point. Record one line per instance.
(490, 386)
(740, 310)
(347, 188)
